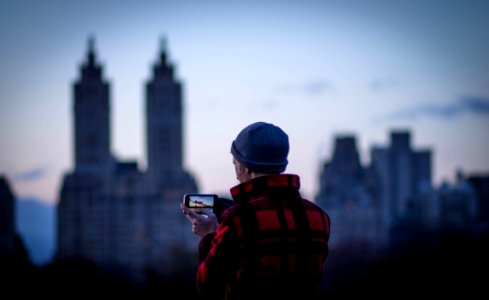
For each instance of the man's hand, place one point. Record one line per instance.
(203, 220)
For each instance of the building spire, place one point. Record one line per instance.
(163, 44)
(91, 50)
(163, 49)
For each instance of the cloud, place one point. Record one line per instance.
(30, 175)
(466, 104)
(478, 105)
(382, 84)
(317, 87)
(311, 88)
(270, 104)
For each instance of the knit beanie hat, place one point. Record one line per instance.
(262, 147)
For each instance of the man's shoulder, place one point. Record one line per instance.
(312, 205)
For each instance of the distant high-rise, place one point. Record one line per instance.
(407, 176)
(340, 174)
(91, 112)
(400, 172)
(480, 182)
(110, 212)
(344, 194)
(164, 119)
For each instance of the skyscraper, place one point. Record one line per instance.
(341, 174)
(164, 119)
(344, 195)
(408, 176)
(91, 112)
(111, 212)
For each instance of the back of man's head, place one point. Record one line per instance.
(262, 147)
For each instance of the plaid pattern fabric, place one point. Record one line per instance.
(271, 243)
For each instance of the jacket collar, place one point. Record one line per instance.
(257, 185)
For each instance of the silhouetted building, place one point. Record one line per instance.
(13, 253)
(111, 212)
(405, 179)
(367, 203)
(91, 112)
(7, 218)
(341, 174)
(456, 205)
(164, 122)
(480, 184)
(344, 192)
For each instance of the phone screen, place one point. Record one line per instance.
(199, 200)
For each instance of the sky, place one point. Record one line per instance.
(317, 69)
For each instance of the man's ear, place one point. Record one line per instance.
(248, 170)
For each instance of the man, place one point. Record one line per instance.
(272, 243)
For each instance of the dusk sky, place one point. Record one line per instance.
(315, 68)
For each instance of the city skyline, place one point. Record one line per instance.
(342, 68)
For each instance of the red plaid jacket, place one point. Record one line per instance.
(272, 243)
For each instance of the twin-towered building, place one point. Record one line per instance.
(111, 212)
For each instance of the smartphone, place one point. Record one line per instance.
(199, 200)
